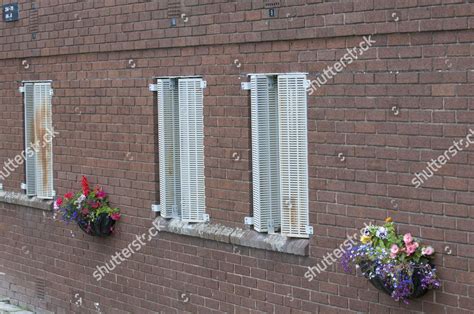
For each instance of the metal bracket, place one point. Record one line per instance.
(51, 92)
(309, 230)
(307, 83)
(248, 221)
(23, 186)
(246, 85)
(203, 84)
(206, 217)
(53, 193)
(21, 89)
(1, 186)
(153, 87)
(156, 208)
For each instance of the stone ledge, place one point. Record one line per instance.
(23, 200)
(6, 307)
(236, 236)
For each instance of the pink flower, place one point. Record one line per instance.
(407, 238)
(427, 250)
(59, 201)
(411, 248)
(85, 211)
(100, 194)
(115, 216)
(68, 195)
(394, 250)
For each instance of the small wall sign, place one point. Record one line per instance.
(10, 12)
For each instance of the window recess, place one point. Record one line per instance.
(39, 133)
(279, 153)
(181, 147)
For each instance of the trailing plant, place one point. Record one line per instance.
(396, 264)
(87, 207)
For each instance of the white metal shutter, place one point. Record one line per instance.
(292, 101)
(168, 122)
(43, 135)
(265, 164)
(191, 126)
(30, 157)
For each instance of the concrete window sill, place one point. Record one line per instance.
(216, 232)
(236, 236)
(23, 200)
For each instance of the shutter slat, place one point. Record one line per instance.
(265, 157)
(293, 141)
(30, 156)
(168, 119)
(191, 126)
(43, 124)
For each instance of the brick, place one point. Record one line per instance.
(420, 63)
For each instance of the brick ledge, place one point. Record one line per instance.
(24, 200)
(236, 236)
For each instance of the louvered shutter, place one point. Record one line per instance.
(191, 149)
(168, 120)
(265, 164)
(43, 126)
(30, 156)
(292, 102)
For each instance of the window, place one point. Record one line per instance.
(280, 153)
(181, 147)
(39, 133)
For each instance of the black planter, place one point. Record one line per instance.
(101, 227)
(379, 283)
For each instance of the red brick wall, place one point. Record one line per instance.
(422, 63)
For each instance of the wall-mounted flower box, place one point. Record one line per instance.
(89, 209)
(397, 265)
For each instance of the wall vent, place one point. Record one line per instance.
(33, 27)
(271, 4)
(40, 288)
(174, 8)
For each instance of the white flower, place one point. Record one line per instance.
(80, 200)
(381, 233)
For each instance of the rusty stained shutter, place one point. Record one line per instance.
(293, 142)
(30, 156)
(43, 129)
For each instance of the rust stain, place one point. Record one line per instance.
(41, 116)
(293, 210)
(169, 162)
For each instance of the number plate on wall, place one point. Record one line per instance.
(10, 12)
